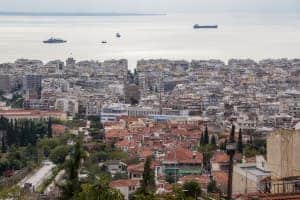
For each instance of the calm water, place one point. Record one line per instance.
(254, 36)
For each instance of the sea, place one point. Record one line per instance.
(168, 36)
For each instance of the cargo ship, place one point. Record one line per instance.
(197, 26)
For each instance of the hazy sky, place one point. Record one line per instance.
(159, 6)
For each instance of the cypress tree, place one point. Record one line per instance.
(148, 182)
(49, 132)
(231, 139)
(72, 185)
(202, 139)
(251, 140)
(240, 142)
(206, 137)
(223, 145)
(3, 144)
(213, 140)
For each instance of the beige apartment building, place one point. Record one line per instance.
(283, 158)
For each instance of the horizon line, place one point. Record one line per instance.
(23, 13)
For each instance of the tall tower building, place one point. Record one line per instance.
(32, 84)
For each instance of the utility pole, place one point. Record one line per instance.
(230, 147)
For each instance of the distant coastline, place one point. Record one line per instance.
(4, 13)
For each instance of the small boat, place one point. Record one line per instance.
(118, 35)
(104, 42)
(197, 26)
(54, 41)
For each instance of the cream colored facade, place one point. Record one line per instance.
(283, 158)
(32, 114)
(247, 177)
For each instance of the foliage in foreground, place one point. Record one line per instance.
(98, 191)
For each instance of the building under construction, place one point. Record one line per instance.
(283, 163)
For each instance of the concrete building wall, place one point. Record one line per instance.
(247, 178)
(4, 83)
(283, 149)
(242, 184)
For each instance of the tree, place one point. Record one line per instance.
(49, 132)
(147, 189)
(231, 138)
(120, 175)
(202, 139)
(178, 193)
(206, 137)
(72, 186)
(133, 101)
(223, 145)
(192, 189)
(98, 191)
(3, 144)
(170, 178)
(213, 140)
(58, 154)
(148, 182)
(251, 140)
(212, 186)
(47, 144)
(141, 196)
(240, 142)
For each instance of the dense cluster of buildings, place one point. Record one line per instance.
(257, 96)
(162, 109)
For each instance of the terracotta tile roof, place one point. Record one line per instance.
(183, 155)
(220, 177)
(128, 118)
(26, 113)
(113, 133)
(145, 152)
(124, 183)
(139, 167)
(122, 143)
(136, 167)
(201, 179)
(220, 157)
(58, 129)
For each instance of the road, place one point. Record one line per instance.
(37, 178)
(57, 179)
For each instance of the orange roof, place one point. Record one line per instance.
(115, 133)
(220, 177)
(140, 166)
(201, 179)
(58, 128)
(145, 153)
(20, 112)
(220, 157)
(183, 155)
(128, 118)
(124, 183)
(136, 167)
(122, 143)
